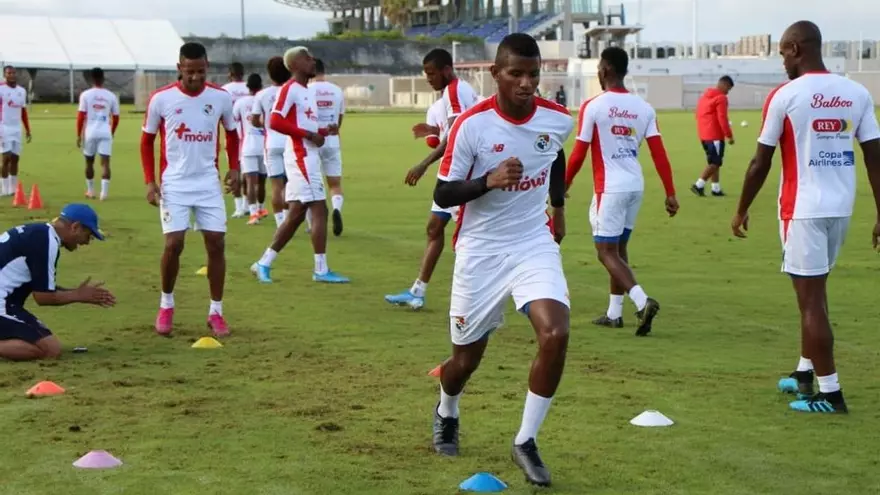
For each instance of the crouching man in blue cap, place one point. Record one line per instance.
(28, 261)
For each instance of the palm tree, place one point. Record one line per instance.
(398, 12)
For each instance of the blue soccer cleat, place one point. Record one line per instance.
(821, 403)
(262, 272)
(406, 298)
(799, 382)
(788, 385)
(330, 278)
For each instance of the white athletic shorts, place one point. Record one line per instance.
(445, 213)
(274, 162)
(810, 246)
(481, 285)
(613, 215)
(331, 161)
(253, 165)
(100, 146)
(11, 144)
(304, 180)
(208, 208)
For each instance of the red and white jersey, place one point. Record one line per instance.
(508, 219)
(330, 106)
(251, 138)
(458, 97)
(615, 123)
(436, 116)
(99, 105)
(12, 101)
(814, 120)
(236, 89)
(264, 102)
(296, 103)
(187, 125)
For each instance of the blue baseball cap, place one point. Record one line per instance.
(84, 214)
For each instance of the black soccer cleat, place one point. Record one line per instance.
(646, 316)
(337, 222)
(831, 402)
(445, 434)
(605, 321)
(526, 457)
(699, 191)
(718, 194)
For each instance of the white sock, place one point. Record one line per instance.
(216, 308)
(448, 407)
(638, 296)
(261, 206)
(321, 264)
(3, 189)
(418, 288)
(309, 218)
(716, 187)
(336, 201)
(828, 384)
(240, 203)
(268, 257)
(279, 218)
(6, 186)
(166, 301)
(700, 183)
(105, 187)
(534, 413)
(13, 181)
(253, 208)
(805, 364)
(90, 186)
(615, 306)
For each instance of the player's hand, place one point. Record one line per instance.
(876, 235)
(731, 141)
(232, 181)
(333, 130)
(79, 142)
(95, 294)
(671, 206)
(414, 174)
(153, 194)
(558, 224)
(28, 137)
(422, 129)
(740, 225)
(508, 173)
(316, 139)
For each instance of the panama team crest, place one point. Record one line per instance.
(208, 110)
(543, 142)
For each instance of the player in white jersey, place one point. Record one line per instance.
(615, 123)
(435, 117)
(13, 115)
(814, 119)
(237, 88)
(96, 123)
(251, 156)
(295, 115)
(458, 97)
(187, 114)
(275, 142)
(503, 158)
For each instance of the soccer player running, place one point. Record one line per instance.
(713, 127)
(28, 260)
(237, 88)
(615, 123)
(13, 101)
(503, 157)
(187, 114)
(96, 123)
(295, 116)
(458, 97)
(264, 101)
(814, 119)
(251, 156)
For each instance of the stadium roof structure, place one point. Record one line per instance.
(330, 5)
(70, 43)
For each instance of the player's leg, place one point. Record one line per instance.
(105, 147)
(716, 169)
(175, 222)
(5, 180)
(278, 179)
(24, 338)
(249, 169)
(331, 163)
(613, 317)
(89, 151)
(710, 148)
(261, 190)
(210, 215)
(415, 296)
(296, 214)
(13, 165)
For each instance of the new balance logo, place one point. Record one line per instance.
(187, 135)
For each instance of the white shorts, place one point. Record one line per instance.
(445, 213)
(253, 165)
(209, 210)
(613, 215)
(331, 161)
(810, 246)
(274, 162)
(304, 180)
(481, 285)
(101, 146)
(12, 144)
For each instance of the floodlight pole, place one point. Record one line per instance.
(242, 19)
(454, 51)
(694, 30)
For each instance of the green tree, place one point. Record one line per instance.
(398, 12)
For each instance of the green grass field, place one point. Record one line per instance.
(324, 389)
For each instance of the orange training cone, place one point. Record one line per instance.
(18, 199)
(43, 389)
(435, 371)
(35, 202)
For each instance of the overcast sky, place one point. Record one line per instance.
(665, 20)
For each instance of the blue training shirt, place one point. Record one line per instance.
(28, 260)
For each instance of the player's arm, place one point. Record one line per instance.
(454, 186)
(721, 113)
(586, 124)
(659, 156)
(868, 135)
(25, 121)
(114, 111)
(278, 120)
(81, 115)
(232, 137)
(256, 112)
(341, 113)
(152, 121)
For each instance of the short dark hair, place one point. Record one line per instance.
(439, 57)
(254, 82)
(277, 71)
(319, 66)
(97, 75)
(520, 44)
(193, 51)
(6, 67)
(617, 58)
(236, 69)
(727, 80)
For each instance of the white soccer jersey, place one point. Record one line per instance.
(615, 123)
(436, 116)
(330, 106)
(264, 102)
(12, 101)
(237, 89)
(251, 138)
(458, 97)
(814, 120)
(296, 103)
(504, 220)
(188, 126)
(99, 105)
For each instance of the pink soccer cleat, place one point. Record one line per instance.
(217, 324)
(164, 321)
